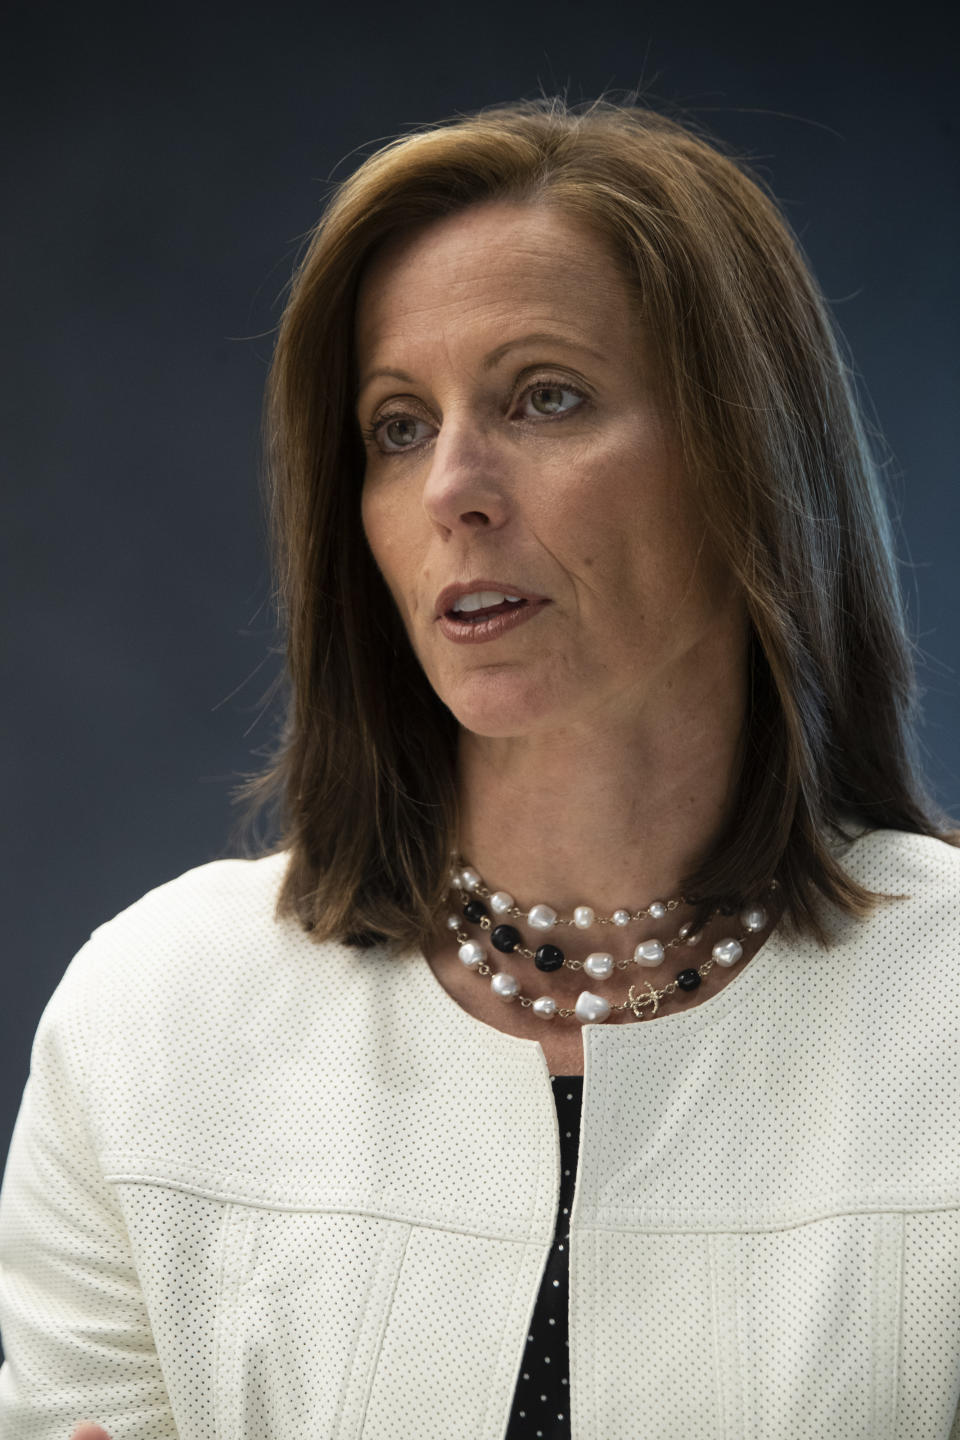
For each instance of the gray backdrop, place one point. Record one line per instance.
(162, 165)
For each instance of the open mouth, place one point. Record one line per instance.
(472, 615)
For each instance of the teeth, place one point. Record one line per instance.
(482, 599)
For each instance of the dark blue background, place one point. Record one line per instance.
(161, 168)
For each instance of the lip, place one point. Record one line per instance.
(476, 632)
(452, 593)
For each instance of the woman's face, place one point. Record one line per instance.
(519, 439)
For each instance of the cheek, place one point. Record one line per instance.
(612, 508)
(378, 528)
(390, 548)
(626, 513)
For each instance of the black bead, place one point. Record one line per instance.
(505, 938)
(548, 957)
(727, 910)
(475, 910)
(689, 979)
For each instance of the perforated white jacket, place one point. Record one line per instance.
(261, 1189)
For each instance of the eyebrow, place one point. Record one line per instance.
(538, 337)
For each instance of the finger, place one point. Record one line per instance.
(87, 1431)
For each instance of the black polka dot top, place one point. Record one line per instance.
(541, 1401)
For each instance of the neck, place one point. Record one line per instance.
(613, 809)
(610, 819)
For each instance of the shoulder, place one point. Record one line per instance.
(182, 947)
(898, 860)
(206, 892)
(192, 1003)
(922, 873)
(211, 908)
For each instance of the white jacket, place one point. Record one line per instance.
(264, 1189)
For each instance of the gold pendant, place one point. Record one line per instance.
(638, 1001)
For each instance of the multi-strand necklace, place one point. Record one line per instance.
(471, 892)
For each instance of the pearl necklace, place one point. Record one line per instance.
(590, 1008)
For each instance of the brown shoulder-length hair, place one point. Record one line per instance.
(363, 776)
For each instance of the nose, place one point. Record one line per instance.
(468, 481)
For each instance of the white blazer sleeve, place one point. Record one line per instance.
(76, 1335)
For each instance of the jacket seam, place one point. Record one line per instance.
(221, 1304)
(717, 1330)
(747, 1226)
(396, 1218)
(897, 1330)
(520, 1275)
(378, 1348)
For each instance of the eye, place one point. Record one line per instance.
(395, 432)
(553, 390)
(397, 429)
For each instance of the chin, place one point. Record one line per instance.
(499, 701)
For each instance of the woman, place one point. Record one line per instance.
(601, 714)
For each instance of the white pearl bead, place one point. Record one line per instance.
(544, 1007)
(649, 953)
(471, 953)
(727, 952)
(621, 917)
(501, 903)
(754, 917)
(469, 878)
(583, 917)
(453, 922)
(656, 910)
(591, 1008)
(541, 917)
(504, 985)
(599, 965)
(694, 939)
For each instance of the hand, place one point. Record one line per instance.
(88, 1431)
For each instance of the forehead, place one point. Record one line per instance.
(480, 267)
